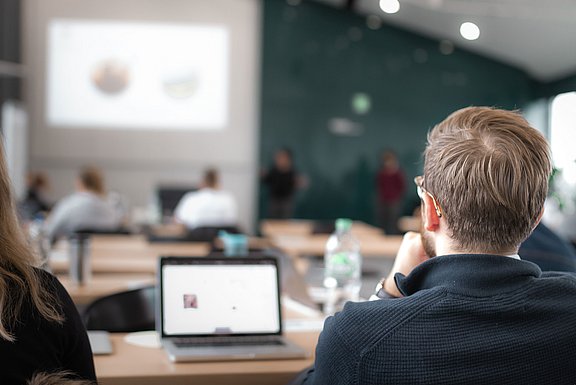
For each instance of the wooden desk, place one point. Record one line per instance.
(134, 365)
(381, 246)
(371, 246)
(272, 228)
(125, 254)
(409, 224)
(121, 263)
(104, 284)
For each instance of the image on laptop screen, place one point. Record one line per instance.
(220, 298)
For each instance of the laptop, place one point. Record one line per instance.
(222, 308)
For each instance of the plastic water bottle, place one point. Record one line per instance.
(343, 267)
(38, 241)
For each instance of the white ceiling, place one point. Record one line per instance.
(537, 36)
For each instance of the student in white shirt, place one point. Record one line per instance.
(85, 209)
(207, 207)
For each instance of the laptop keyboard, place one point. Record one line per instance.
(226, 341)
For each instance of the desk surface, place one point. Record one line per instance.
(272, 228)
(103, 284)
(121, 263)
(126, 254)
(379, 246)
(130, 364)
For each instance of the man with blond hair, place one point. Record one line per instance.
(460, 306)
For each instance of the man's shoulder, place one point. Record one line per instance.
(191, 196)
(384, 314)
(558, 279)
(80, 200)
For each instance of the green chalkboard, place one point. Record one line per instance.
(316, 58)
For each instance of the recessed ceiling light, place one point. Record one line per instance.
(469, 31)
(390, 6)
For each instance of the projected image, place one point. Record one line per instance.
(137, 75)
(181, 86)
(111, 77)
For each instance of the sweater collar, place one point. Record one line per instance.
(469, 274)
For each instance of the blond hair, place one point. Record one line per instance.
(58, 378)
(19, 282)
(489, 170)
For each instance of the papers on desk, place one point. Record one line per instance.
(100, 342)
(312, 319)
(146, 339)
(304, 325)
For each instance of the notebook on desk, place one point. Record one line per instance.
(212, 309)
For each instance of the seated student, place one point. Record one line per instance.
(85, 209)
(207, 207)
(35, 202)
(460, 306)
(40, 329)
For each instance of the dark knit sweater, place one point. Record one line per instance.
(465, 319)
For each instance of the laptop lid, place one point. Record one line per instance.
(222, 296)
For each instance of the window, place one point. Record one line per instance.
(563, 136)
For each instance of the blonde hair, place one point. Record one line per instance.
(93, 180)
(489, 170)
(58, 378)
(19, 282)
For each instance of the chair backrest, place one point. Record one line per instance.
(111, 231)
(124, 312)
(169, 197)
(198, 234)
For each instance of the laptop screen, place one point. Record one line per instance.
(219, 296)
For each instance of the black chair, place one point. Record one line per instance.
(105, 231)
(169, 196)
(198, 234)
(124, 312)
(323, 227)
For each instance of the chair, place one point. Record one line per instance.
(198, 234)
(169, 196)
(110, 231)
(323, 227)
(124, 312)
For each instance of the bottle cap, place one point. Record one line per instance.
(343, 224)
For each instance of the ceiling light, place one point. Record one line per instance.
(469, 31)
(390, 6)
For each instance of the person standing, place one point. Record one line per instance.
(282, 181)
(391, 188)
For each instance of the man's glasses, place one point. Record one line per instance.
(419, 180)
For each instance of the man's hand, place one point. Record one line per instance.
(410, 255)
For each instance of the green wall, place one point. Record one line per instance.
(566, 84)
(316, 57)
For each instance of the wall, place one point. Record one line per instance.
(565, 84)
(135, 161)
(316, 57)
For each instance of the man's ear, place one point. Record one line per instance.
(429, 214)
